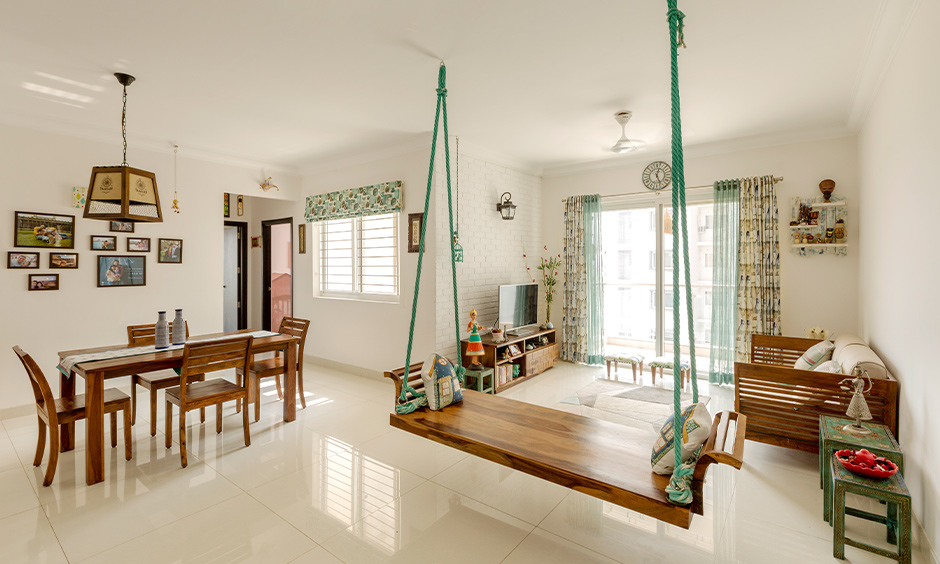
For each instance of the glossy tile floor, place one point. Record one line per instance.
(341, 486)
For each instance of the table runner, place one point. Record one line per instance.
(68, 363)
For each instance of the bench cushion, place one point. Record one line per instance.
(625, 358)
(667, 362)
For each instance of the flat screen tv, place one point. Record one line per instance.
(519, 305)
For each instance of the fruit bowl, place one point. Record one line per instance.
(866, 464)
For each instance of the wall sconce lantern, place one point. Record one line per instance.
(123, 192)
(506, 208)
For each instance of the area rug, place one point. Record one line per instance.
(643, 407)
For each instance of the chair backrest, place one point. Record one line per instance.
(296, 327)
(38, 381)
(146, 334)
(203, 357)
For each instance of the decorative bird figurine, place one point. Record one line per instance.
(267, 185)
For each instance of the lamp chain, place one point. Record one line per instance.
(124, 126)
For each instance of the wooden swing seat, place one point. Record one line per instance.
(599, 458)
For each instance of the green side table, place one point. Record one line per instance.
(476, 380)
(892, 491)
(832, 438)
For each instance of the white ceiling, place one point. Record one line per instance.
(291, 83)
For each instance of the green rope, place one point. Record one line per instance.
(419, 399)
(678, 490)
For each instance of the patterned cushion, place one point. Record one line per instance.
(440, 382)
(696, 424)
(820, 352)
(828, 366)
(625, 358)
(667, 362)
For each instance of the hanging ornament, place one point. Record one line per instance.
(176, 201)
(458, 249)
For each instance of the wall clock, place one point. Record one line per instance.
(657, 175)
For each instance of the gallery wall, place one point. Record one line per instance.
(44, 167)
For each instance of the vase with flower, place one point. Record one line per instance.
(549, 269)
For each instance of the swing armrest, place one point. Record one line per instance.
(716, 448)
(414, 379)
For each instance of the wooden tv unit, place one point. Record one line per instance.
(531, 363)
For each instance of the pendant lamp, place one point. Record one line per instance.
(123, 193)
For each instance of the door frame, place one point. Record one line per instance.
(242, 274)
(266, 268)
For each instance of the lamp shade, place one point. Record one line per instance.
(122, 193)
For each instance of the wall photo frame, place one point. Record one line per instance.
(32, 229)
(22, 260)
(170, 251)
(121, 226)
(302, 238)
(103, 243)
(240, 205)
(415, 224)
(138, 244)
(63, 260)
(43, 282)
(256, 242)
(226, 212)
(121, 270)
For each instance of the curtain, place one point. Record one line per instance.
(583, 325)
(758, 264)
(724, 282)
(355, 202)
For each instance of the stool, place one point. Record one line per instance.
(478, 377)
(662, 362)
(631, 359)
(892, 491)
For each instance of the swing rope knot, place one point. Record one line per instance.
(442, 81)
(679, 490)
(676, 15)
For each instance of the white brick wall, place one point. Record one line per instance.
(492, 246)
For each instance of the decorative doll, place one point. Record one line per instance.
(474, 343)
(858, 407)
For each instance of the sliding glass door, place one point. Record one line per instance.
(638, 277)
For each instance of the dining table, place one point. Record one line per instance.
(95, 372)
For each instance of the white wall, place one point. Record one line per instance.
(815, 291)
(899, 265)
(492, 246)
(43, 168)
(369, 335)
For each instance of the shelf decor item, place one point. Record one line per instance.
(858, 407)
(866, 464)
(162, 335)
(826, 187)
(179, 328)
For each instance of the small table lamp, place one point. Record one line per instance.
(858, 407)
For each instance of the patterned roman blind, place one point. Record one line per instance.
(356, 202)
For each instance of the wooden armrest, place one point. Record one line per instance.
(714, 449)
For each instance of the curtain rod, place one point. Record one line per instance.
(776, 179)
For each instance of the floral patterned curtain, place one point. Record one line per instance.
(355, 202)
(758, 264)
(583, 325)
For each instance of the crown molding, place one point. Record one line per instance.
(892, 21)
(702, 150)
(138, 142)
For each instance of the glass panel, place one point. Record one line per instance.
(280, 273)
(699, 233)
(630, 280)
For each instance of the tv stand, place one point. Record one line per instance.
(531, 362)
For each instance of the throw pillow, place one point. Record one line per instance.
(820, 352)
(828, 366)
(440, 382)
(695, 424)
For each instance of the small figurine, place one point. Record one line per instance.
(858, 407)
(826, 187)
(474, 343)
(839, 232)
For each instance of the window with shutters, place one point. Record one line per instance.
(359, 257)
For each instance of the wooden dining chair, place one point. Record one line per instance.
(200, 358)
(141, 336)
(276, 366)
(53, 412)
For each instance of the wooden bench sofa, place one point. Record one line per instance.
(783, 404)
